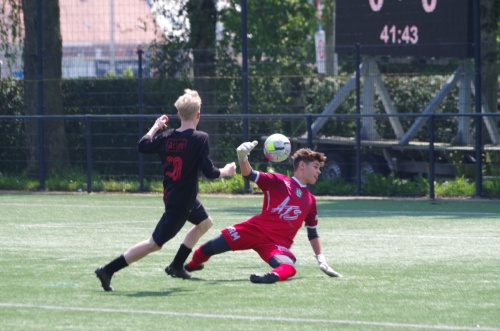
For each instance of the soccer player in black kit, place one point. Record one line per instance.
(183, 152)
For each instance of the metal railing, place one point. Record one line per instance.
(106, 144)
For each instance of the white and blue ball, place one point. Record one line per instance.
(277, 147)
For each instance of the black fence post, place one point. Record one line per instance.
(88, 140)
(309, 132)
(244, 77)
(478, 98)
(41, 123)
(358, 121)
(431, 157)
(140, 110)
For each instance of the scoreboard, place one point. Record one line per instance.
(420, 28)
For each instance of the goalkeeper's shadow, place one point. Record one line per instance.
(240, 280)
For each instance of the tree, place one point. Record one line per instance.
(47, 83)
(202, 16)
(20, 27)
(197, 20)
(11, 29)
(489, 18)
(279, 32)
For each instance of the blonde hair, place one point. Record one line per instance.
(188, 104)
(307, 155)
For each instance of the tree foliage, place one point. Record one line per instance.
(11, 29)
(279, 34)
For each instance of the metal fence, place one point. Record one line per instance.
(106, 146)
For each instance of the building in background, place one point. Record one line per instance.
(99, 37)
(102, 36)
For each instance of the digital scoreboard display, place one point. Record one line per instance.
(420, 28)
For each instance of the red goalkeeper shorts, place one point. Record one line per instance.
(243, 236)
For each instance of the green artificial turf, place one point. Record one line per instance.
(407, 265)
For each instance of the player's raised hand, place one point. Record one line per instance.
(323, 266)
(161, 122)
(244, 149)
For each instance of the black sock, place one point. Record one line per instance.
(181, 257)
(116, 265)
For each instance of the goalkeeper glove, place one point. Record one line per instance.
(323, 266)
(244, 149)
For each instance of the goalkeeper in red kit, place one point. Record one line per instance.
(288, 204)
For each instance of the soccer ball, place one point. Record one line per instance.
(277, 147)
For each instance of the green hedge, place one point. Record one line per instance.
(114, 141)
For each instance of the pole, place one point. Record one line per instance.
(244, 76)
(478, 98)
(88, 147)
(309, 132)
(358, 121)
(140, 109)
(431, 158)
(112, 36)
(41, 124)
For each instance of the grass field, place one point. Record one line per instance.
(407, 265)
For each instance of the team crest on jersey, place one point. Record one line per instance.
(298, 192)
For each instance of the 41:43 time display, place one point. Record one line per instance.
(392, 34)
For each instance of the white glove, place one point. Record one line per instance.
(244, 149)
(323, 266)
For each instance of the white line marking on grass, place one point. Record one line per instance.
(409, 212)
(250, 318)
(79, 206)
(85, 225)
(416, 236)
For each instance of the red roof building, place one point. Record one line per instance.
(102, 36)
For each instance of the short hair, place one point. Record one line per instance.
(307, 155)
(188, 104)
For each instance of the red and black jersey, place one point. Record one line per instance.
(183, 155)
(287, 206)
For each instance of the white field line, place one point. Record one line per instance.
(333, 212)
(160, 206)
(250, 318)
(417, 236)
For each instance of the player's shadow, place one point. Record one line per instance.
(220, 281)
(160, 293)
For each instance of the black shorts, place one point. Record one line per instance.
(172, 222)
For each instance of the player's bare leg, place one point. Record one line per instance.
(196, 232)
(134, 253)
(140, 250)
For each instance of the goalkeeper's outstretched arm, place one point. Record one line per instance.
(243, 151)
(245, 167)
(318, 254)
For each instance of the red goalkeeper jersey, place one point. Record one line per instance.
(287, 206)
